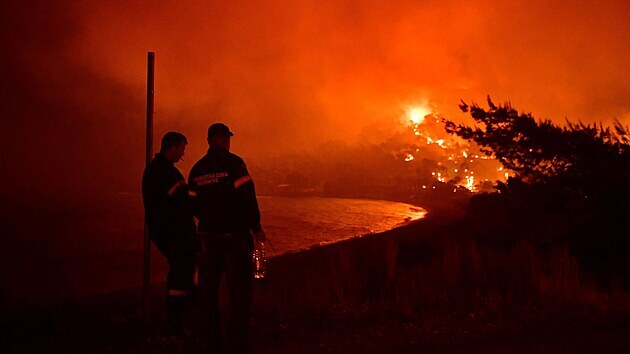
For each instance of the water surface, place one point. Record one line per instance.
(82, 251)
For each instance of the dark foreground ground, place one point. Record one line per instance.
(396, 336)
(342, 333)
(417, 289)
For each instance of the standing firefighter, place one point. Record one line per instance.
(228, 215)
(170, 223)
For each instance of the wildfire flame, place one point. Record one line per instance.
(455, 164)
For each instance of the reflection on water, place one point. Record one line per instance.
(298, 223)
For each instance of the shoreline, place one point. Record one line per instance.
(401, 229)
(158, 267)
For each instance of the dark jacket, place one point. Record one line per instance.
(225, 196)
(168, 208)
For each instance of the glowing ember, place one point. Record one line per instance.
(470, 183)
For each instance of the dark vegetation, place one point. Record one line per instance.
(571, 187)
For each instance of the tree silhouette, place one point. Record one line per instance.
(538, 151)
(571, 183)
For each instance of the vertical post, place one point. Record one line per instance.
(146, 271)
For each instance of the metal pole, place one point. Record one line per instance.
(146, 276)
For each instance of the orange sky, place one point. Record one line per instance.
(290, 74)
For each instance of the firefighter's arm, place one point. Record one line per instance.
(244, 186)
(247, 198)
(192, 192)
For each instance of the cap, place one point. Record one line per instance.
(219, 129)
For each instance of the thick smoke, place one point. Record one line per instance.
(285, 75)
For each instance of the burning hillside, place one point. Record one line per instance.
(419, 160)
(458, 162)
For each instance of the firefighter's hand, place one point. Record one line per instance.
(175, 187)
(260, 236)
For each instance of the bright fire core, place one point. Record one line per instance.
(416, 114)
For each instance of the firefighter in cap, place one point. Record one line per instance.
(229, 220)
(170, 223)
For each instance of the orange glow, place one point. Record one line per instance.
(288, 75)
